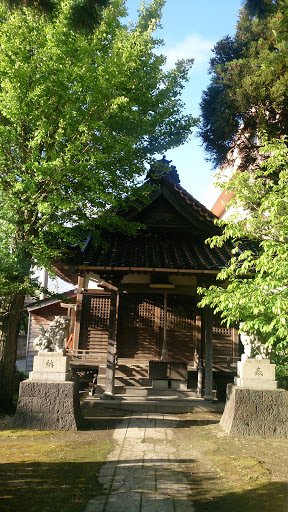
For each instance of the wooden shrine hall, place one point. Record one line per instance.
(137, 296)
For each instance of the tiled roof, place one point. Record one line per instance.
(189, 202)
(157, 250)
(194, 211)
(177, 226)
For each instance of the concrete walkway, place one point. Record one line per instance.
(143, 474)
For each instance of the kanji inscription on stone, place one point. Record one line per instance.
(259, 372)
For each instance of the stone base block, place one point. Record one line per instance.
(256, 368)
(160, 384)
(251, 412)
(256, 384)
(179, 384)
(51, 377)
(51, 366)
(48, 406)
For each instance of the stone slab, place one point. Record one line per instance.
(51, 362)
(50, 376)
(256, 384)
(51, 366)
(160, 384)
(260, 370)
(252, 412)
(179, 384)
(48, 406)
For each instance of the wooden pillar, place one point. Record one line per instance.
(69, 343)
(78, 311)
(111, 348)
(164, 347)
(208, 354)
(197, 345)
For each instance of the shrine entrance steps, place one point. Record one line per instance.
(134, 391)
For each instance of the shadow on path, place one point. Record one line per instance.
(69, 486)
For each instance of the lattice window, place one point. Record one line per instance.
(146, 312)
(181, 312)
(99, 313)
(220, 329)
(138, 310)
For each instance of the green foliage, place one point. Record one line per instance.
(81, 115)
(249, 76)
(87, 14)
(84, 14)
(282, 375)
(20, 375)
(260, 8)
(254, 287)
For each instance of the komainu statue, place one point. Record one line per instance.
(55, 335)
(254, 348)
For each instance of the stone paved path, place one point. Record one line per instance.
(143, 474)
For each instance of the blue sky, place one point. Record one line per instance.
(190, 30)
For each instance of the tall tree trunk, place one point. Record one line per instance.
(11, 310)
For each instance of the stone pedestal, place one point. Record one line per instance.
(48, 406)
(51, 366)
(256, 374)
(49, 400)
(255, 412)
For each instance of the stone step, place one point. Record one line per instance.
(133, 380)
(161, 405)
(142, 391)
(136, 373)
(150, 392)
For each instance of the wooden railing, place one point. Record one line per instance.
(86, 357)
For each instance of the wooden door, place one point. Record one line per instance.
(138, 326)
(181, 324)
(141, 326)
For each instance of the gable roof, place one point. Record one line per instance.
(70, 296)
(176, 227)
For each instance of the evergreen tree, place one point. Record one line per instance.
(248, 88)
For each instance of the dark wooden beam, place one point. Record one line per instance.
(111, 348)
(208, 354)
(88, 268)
(78, 311)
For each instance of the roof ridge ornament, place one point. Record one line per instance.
(162, 169)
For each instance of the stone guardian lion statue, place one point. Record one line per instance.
(55, 335)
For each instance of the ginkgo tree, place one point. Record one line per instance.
(82, 112)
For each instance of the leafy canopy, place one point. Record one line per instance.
(81, 115)
(254, 289)
(84, 14)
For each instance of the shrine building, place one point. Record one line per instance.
(137, 295)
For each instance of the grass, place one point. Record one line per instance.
(50, 471)
(58, 471)
(233, 474)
